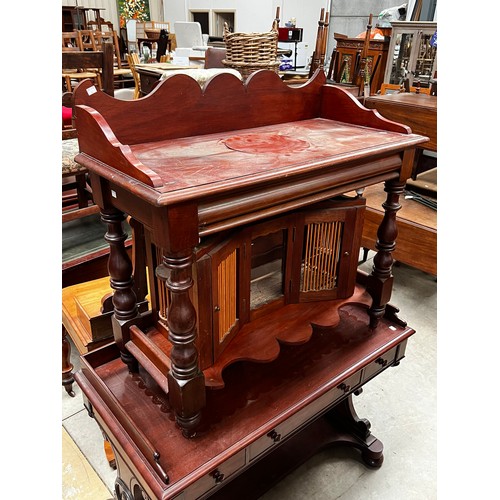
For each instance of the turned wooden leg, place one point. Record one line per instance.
(67, 367)
(121, 281)
(354, 431)
(380, 281)
(186, 384)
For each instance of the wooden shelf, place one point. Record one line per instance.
(282, 396)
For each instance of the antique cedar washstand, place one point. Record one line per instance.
(213, 174)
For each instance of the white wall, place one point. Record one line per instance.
(257, 15)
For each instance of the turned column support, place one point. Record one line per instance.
(186, 384)
(381, 279)
(121, 281)
(67, 367)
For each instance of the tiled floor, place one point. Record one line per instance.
(401, 408)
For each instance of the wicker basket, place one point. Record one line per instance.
(249, 52)
(152, 32)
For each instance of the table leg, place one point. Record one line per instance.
(122, 282)
(380, 280)
(67, 367)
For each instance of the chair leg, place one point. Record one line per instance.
(67, 367)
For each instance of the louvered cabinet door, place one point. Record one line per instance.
(329, 240)
(226, 287)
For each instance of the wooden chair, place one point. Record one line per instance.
(391, 88)
(73, 75)
(120, 72)
(133, 59)
(76, 192)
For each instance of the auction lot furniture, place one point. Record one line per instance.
(348, 54)
(412, 53)
(259, 323)
(417, 239)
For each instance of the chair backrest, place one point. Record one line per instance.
(70, 41)
(111, 37)
(188, 34)
(86, 40)
(132, 60)
(214, 57)
(163, 25)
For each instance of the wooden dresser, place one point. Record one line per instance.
(259, 323)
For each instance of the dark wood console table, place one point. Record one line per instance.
(417, 239)
(259, 322)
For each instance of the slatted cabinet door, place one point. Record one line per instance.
(329, 238)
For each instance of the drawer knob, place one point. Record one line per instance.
(274, 436)
(344, 387)
(381, 361)
(218, 476)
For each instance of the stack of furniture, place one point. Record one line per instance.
(77, 196)
(89, 40)
(260, 329)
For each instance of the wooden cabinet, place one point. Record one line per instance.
(259, 321)
(348, 54)
(412, 53)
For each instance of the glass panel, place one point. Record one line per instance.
(401, 57)
(425, 61)
(345, 69)
(268, 258)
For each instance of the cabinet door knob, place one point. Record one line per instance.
(381, 361)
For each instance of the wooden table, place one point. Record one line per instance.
(417, 241)
(226, 180)
(418, 111)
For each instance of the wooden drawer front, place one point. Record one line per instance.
(382, 362)
(293, 423)
(215, 478)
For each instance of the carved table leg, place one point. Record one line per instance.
(355, 432)
(380, 280)
(186, 384)
(67, 367)
(121, 281)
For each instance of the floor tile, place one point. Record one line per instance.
(79, 479)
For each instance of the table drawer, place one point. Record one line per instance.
(281, 431)
(383, 361)
(214, 479)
